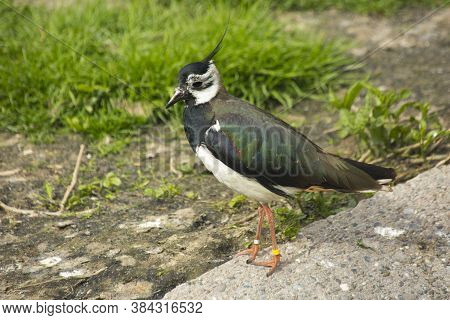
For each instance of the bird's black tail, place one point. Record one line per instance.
(346, 175)
(380, 174)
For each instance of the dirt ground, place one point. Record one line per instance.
(135, 246)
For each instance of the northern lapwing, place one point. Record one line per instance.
(258, 155)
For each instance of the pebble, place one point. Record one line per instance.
(64, 224)
(126, 261)
(154, 250)
(387, 232)
(344, 287)
(111, 253)
(73, 273)
(148, 225)
(50, 261)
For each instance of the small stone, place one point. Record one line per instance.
(72, 274)
(344, 287)
(64, 224)
(50, 262)
(154, 250)
(111, 253)
(126, 261)
(146, 226)
(387, 232)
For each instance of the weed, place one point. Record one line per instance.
(289, 222)
(48, 198)
(48, 188)
(385, 121)
(97, 188)
(141, 184)
(318, 204)
(313, 206)
(186, 168)
(111, 180)
(191, 195)
(166, 190)
(237, 201)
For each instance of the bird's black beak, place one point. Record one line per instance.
(179, 94)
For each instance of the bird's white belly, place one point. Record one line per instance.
(249, 187)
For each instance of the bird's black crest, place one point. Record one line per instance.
(217, 48)
(201, 67)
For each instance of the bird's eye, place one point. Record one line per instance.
(197, 84)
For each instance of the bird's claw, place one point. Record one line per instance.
(252, 251)
(272, 264)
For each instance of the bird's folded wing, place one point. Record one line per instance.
(278, 157)
(269, 153)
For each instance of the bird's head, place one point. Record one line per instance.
(198, 82)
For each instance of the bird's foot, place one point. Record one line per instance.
(252, 251)
(272, 264)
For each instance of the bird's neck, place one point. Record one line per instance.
(197, 119)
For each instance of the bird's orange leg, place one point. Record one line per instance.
(254, 249)
(272, 264)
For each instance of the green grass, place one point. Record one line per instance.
(383, 7)
(46, 87)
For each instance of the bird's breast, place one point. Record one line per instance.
(197, 119)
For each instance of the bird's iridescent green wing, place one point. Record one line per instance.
(258, 145)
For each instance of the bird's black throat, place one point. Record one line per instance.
(197, 119)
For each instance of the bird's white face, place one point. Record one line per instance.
(204, 87)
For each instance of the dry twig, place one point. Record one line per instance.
(364, 156)
(74, 180)
(442, 162)
(433, 157)
(34, 213)
(173, 169)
